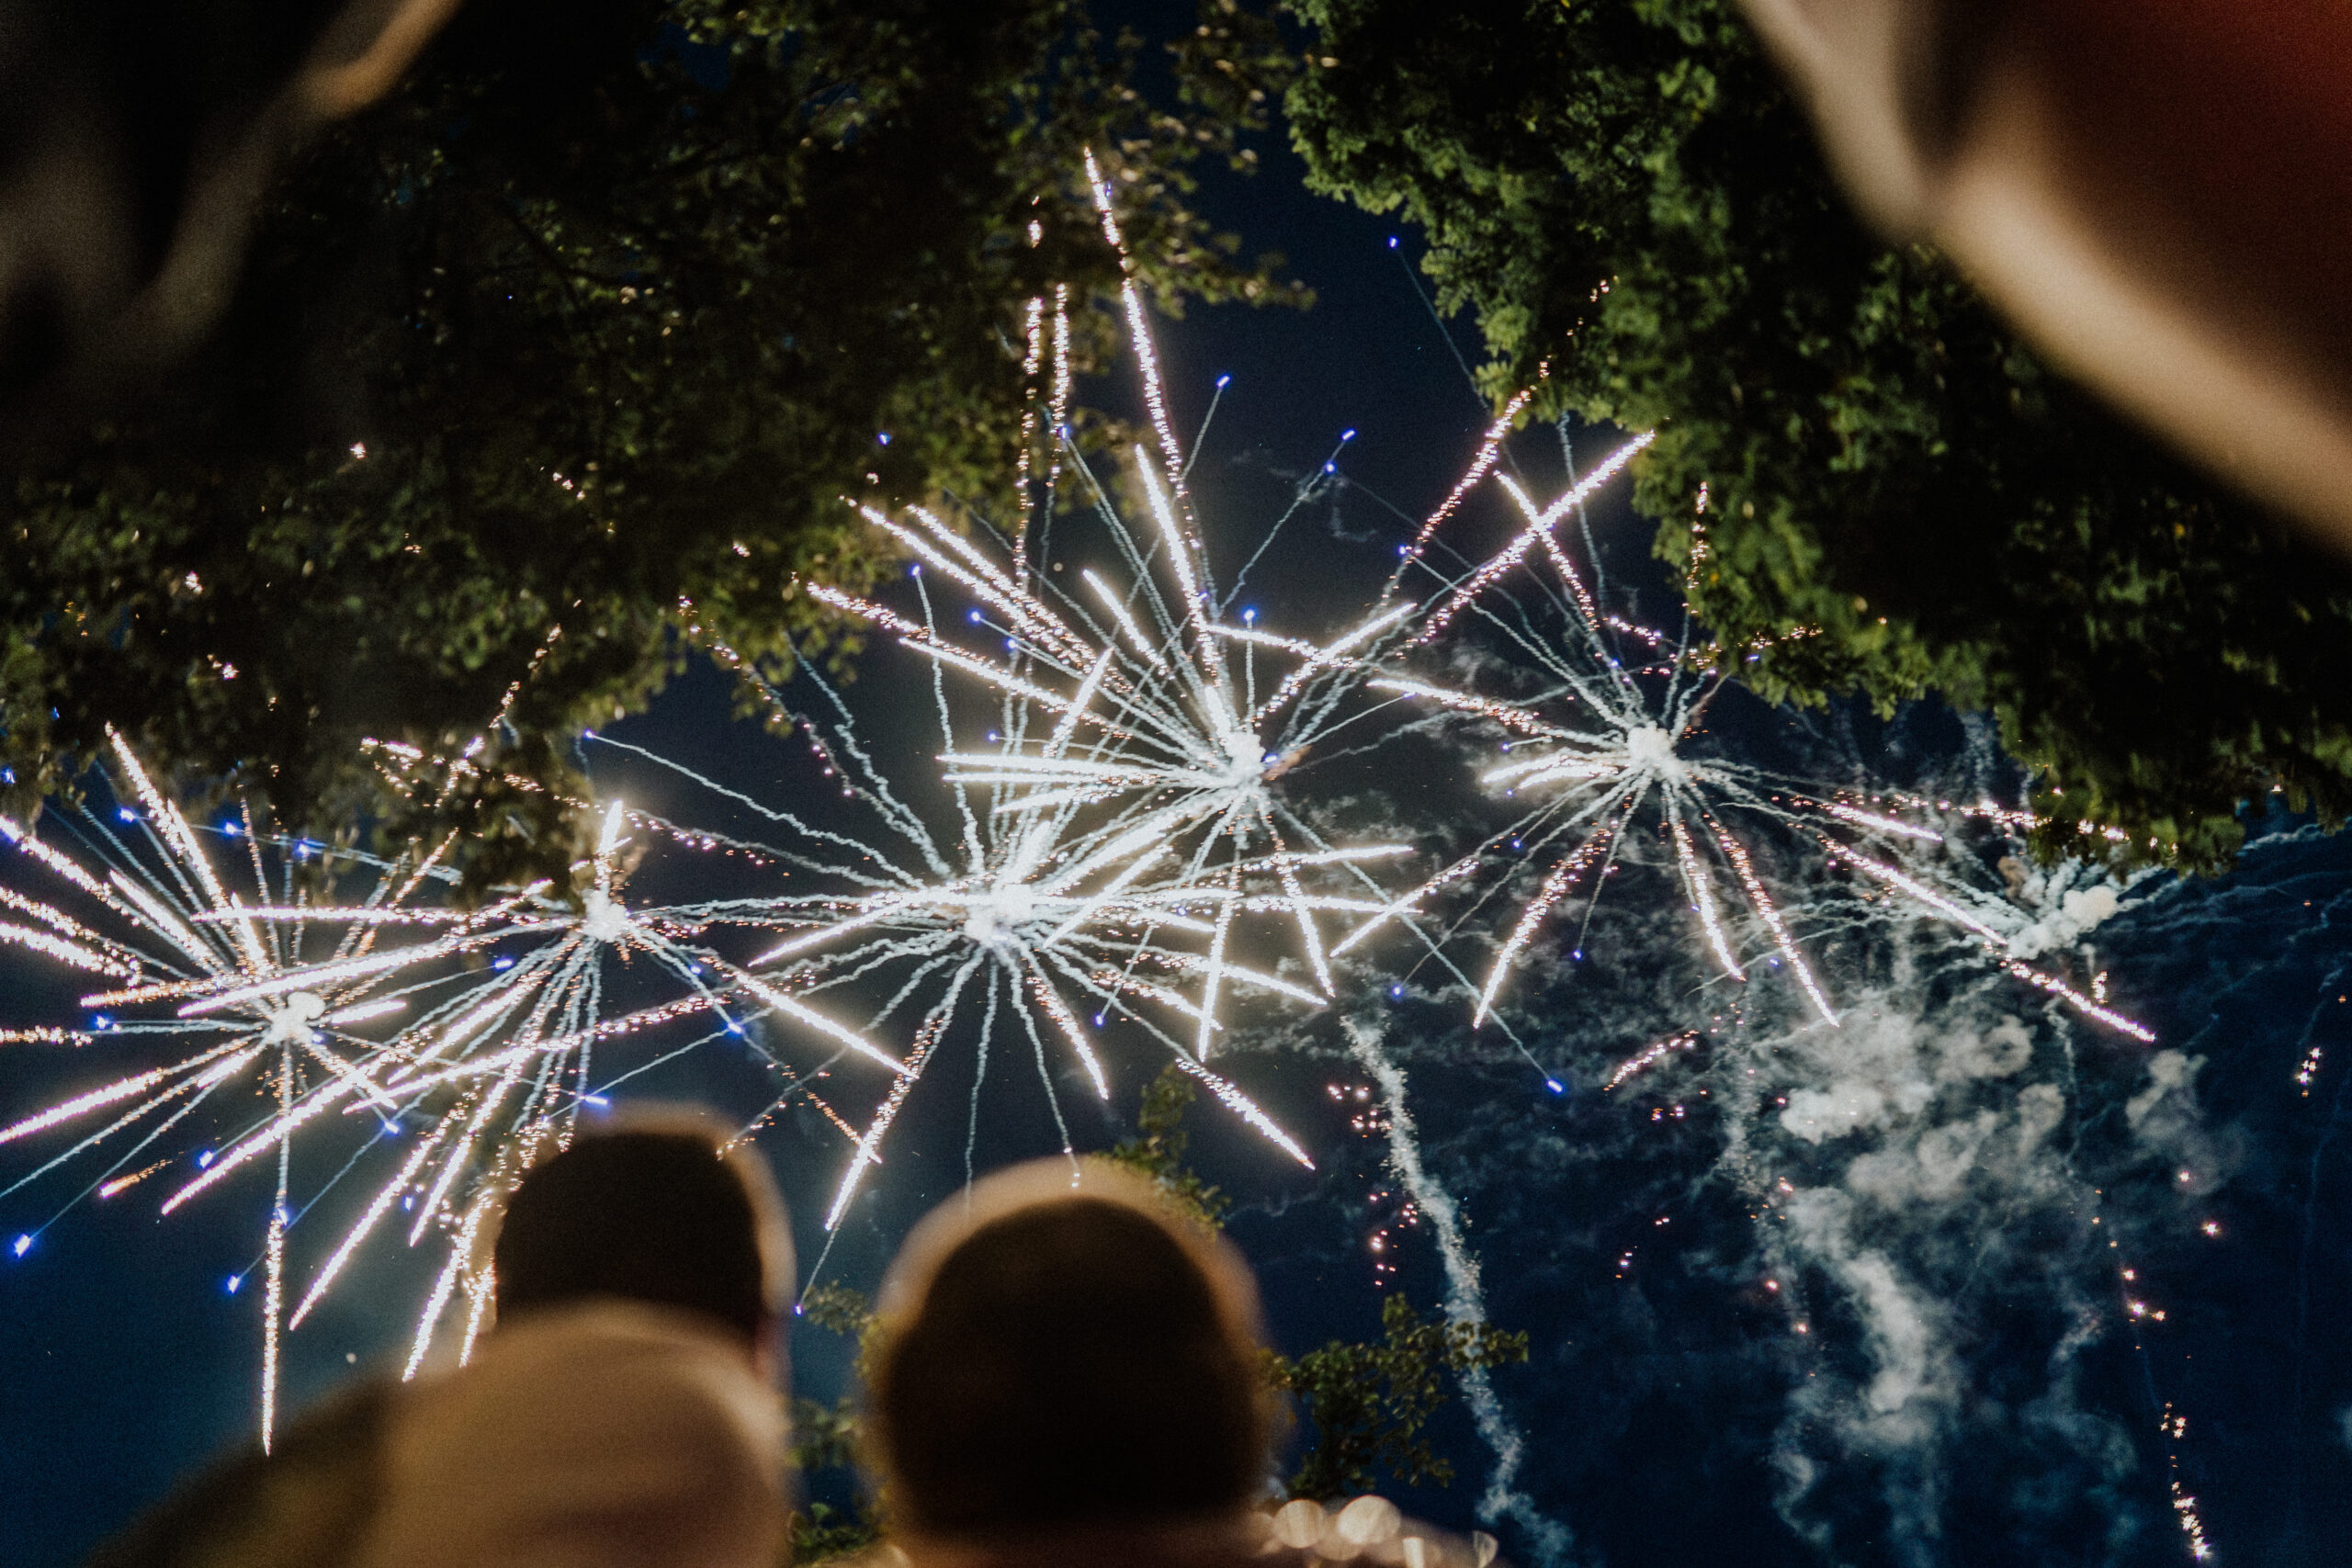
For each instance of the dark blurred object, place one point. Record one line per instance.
(136, 140)
(302, 1506)
(2154, 191)
(661, 1210)
(1066, 1350)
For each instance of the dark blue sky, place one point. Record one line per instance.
(1669, 1406)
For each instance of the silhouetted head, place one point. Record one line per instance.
(651, 1207)
(1054, 1354)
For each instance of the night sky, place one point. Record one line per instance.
(1970, 1385)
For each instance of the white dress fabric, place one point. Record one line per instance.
(605, 1436)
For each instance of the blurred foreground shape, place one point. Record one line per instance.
(137, 137)
(2153, 190)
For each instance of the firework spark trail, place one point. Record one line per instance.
(1465, 1304)
(1557, 884)
(1613, 736)
(1490, 449)
(1538, 530)
(1994, 940)
(1649, 1057)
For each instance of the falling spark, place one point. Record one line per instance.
(1649, 1057)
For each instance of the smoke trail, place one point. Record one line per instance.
(1915, 1168)
(1466, 1302)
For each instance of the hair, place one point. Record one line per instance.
(653, 1209)
(1052, 1356)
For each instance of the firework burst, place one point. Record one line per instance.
(224, 981)
(256, 978)
(1615, 747)
(505, 1056)
(1019, 916)
(1160, 722)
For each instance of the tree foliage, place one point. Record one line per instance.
(605, 309)
(1897, 496)
(1157, 1150)
(825, 1438)
(1367, 1406)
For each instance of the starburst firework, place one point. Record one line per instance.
(481, 1024)
(1165, 728)
(218, 998)
(1022, 914)
(1614, 742)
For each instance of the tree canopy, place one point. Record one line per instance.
(579, 338)
(1871, 485)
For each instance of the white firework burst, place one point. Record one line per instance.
(216, 990)
(506, 1055)
(1169, 725)
(1615, 740)
(464, 1036)
(1019, 915)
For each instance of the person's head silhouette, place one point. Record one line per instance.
(1056, 1353)
(653, 1208)
(625, 1410)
